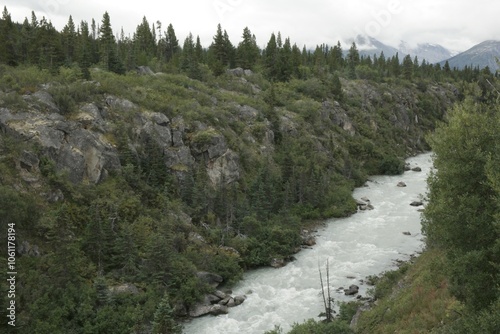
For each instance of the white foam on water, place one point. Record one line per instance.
(366, 243)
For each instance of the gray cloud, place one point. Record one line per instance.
(457, 25)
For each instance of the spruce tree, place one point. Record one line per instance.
(171, 43)
(352, 60)
(107, 47)
(271, 58)
(8, 40)
(164, 322)
(69, 40)
(248, 52)
(408, 67)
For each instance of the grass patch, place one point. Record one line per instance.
(413, 299)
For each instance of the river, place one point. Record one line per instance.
(366, 243)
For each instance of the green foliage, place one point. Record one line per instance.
(164, 321)
(314, 327)
(461, 216)
(134, 227)
(413, 299)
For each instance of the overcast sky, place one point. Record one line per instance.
(455, 24)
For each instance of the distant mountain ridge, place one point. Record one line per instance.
(432, 53)
(481, 55)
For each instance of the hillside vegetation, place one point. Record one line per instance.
(126, 185)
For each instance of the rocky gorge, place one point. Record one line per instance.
(190, 179)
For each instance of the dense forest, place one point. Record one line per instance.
(130, 165)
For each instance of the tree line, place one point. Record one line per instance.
(37, 42)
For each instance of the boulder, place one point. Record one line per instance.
(225, 301)
(27, 249)
(401, 184)
(127, 288)
(406, 233)
(238, 300)
(220, 294)
(353, 289)
(212, 299)
(231, 302)
(277, 262)
(29, 161)
(238, 72)
(210, 278)
(308, 241)
(416, 169)
(218, 310)
(144, 70)
(416, 203)
(199, 310)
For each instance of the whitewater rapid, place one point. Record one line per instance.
(366, 243)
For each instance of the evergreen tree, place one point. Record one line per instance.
(84, 49)
(8, 40)
(247, 52)
(336, 58)
(164, 322)
(171, 43)
(198, 50)
(144, 43)
(107, 47)
(408, 67)
(271, 58)
(69, 40)
(49, 46)
(222, 52)
(352, 60)
(395, 66)
(189, 61)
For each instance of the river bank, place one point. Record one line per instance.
(366, 243)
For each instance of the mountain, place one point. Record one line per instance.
(432, 53)
(368, 46)
(482, 55)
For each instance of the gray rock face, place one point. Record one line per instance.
(224, 169)
(84, 154)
